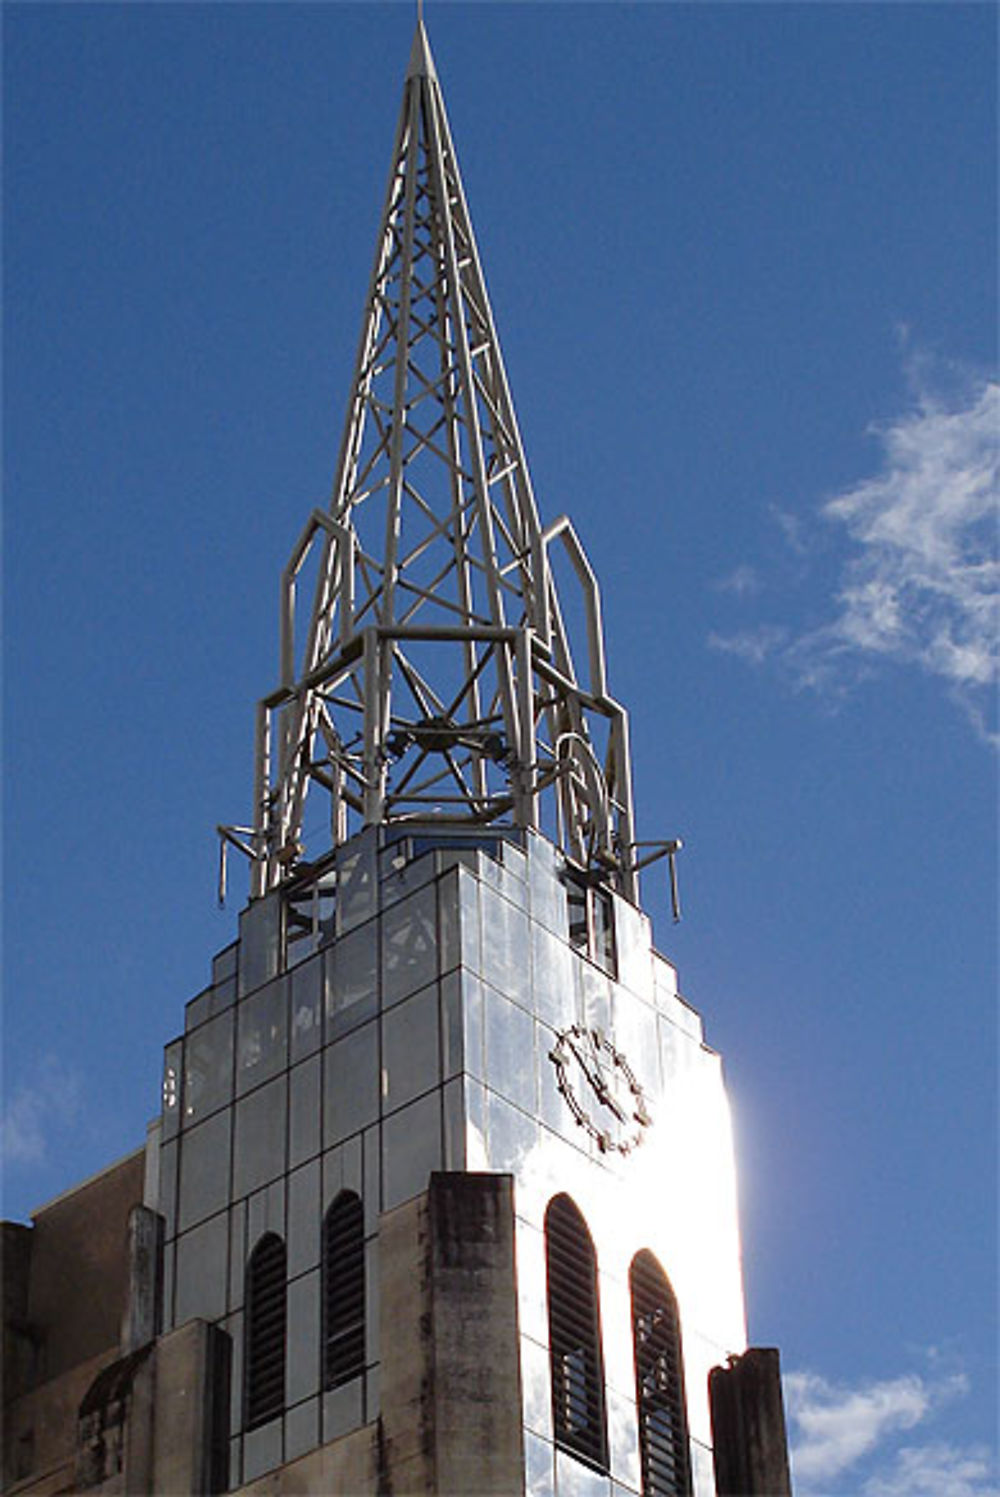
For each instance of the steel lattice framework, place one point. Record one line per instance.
(435, 677)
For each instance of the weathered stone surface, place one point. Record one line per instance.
(748, 1423)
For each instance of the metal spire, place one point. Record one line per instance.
(435, 678)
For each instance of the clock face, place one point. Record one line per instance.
(601, 1089)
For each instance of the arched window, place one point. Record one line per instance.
(659, 1381)
(343, 1290)
(264, 1332)
(577, 1369)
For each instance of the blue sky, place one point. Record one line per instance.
(742, 260)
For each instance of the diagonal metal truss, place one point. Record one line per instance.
(434, 677)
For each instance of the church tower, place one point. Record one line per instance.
(442, 1196)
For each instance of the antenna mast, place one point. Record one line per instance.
(434, 678)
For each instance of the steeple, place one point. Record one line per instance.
(436, 678)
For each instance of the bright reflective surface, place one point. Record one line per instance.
(422, 1038)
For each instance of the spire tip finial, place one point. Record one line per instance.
(421, 61)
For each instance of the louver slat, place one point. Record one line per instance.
(264, 1386)
(577, 1370)
(343, 1291)
(659, 1381)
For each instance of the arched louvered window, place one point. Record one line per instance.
(577, 1369)
(659, 1381)
(343, 1290)
(264, 1331)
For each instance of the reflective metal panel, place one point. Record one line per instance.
(451, 1024)
(304, 1110)
(702, 1470)
(201, 1271)
(634, 1029)
(262, 1035)
(547, 894)
(574, 1479)
(510, 1050)
(536, 1386)
(506, 946)
(410, 1049)
(595, 995)
(371, 1196)
(237, 1253)
(204, 1178)
(260, 942)
(351, 980)
(266, 1213)
(357, 891)
(307, 1008)
(474, 1040)
(532, 1306)
(616, 1318)
(539, 1466)
(623, 1439)
(197, 1010)
(512, 1134)
(208, 1067)
(169, 1264)
(343, 1170)
(350, 1084)
(235, 1463)
(168, 1186)
(343, 1409)
(372, 1349)
(454, 1125)
(234, 1325)
(372, 1394)
(302, 1429)
(224, 963)
(262, 1449)
(173, 1060)
(302, 1365)
(553, 982)
(304, 1215)
(411, 1149)
(259, 1151)
(401, 875)
(471, 937)
(634, 949)
(409, 945)
(449, 921)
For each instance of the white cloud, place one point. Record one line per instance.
(835, 1426)
(845, 1439)
(936, 1471)
(36, 1110)
(921, 586)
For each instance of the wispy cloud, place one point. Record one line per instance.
(936, 1471)
(743, 581)
(835, 1425)
(921, 585)
(36, 1110)
(845, 1439)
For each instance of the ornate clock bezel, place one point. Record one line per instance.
(567, 1049)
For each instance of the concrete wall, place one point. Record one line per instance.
(79, 1267)
(748, 1419)
(451, 1398)
(66, 1286)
